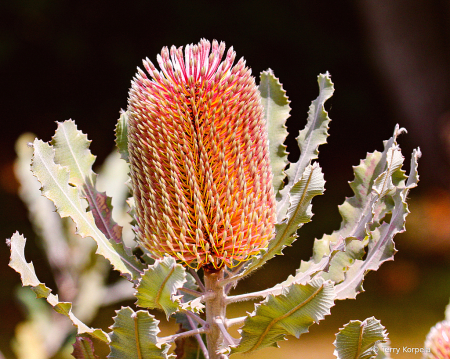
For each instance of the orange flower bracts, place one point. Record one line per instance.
(199, 158)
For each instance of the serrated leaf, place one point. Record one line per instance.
(413, 177)
(276, 112)
(122, 135)
(310, 138)
(158, 286)
(290, 313)
(359, 340)
(29, 278)
(378, 180)
(72, 151)
(134, 336)
(384, 182)
(83, 348)
(55, 186)
(354, 249)
(46, 222)
(356, 211)
(310, 185)
(381, 248)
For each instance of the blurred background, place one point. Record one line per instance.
(389, 60)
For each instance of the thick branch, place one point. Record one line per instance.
(215, 310)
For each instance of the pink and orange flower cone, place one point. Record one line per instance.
(199, 158)
(438, 341)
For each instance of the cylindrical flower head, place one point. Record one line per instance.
(199, 158)
(438, 341)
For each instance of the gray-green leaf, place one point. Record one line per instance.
(381, 246)
(55, 180)
(310, 138)
(134, 336)
(122, 135)
(72, 151)
(158, 286)
(359, 340)
(290, 313)
(29, 278)
(276, 112)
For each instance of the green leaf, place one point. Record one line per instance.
(379, 187)
(381, 246)
(55, 180)
(356, 211)
(158, 286)
(359, 340)
(310, 138)
(29, 278)
(134, 336)
(122, 135)
(310, 185)
(83, 348)
(341, 261)
(72, 151)
(47, 224)
(290, 313)
(276, 112)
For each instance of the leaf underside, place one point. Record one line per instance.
(365, 239)
(310, 138)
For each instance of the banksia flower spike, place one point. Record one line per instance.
(437, 343)
(199, 158)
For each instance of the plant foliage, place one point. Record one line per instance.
(370, 220)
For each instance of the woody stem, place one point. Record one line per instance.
(215, 309)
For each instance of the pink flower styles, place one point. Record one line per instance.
(199, 158)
